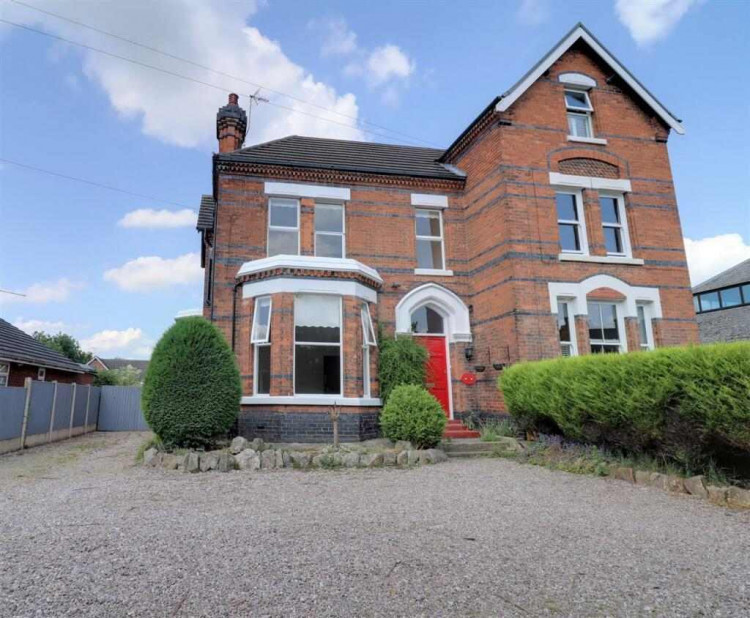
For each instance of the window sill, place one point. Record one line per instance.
(599, 259)
(309, 400)
(433, 272)
(588, 140)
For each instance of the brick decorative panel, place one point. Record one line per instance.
(589, 167)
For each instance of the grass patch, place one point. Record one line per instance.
(152, 442)
(492, 430)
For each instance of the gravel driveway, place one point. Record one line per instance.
(85, 533)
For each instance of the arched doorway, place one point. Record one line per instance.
(428, 328)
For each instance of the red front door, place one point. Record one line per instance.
(437, 369)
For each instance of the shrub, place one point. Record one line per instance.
(191, 393)
(401, 361)
(685, 404)
(491, 430)
(127, 376)
(413, 414)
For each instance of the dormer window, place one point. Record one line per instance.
(579, 108)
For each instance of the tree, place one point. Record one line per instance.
(127, 376)
(65, 344)
(191, 394)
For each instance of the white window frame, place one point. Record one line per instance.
(579, 111)
(647, 318)
(581, 223)
(260, 342)
(573, 343)
(340, 345)
(41, 374)
(368, 341)
(622, 226)
(441, 238)
(621, 343)
(4, 373)
(342, 233)
(282, 228)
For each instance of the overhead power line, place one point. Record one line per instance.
(93, 183)
(214, 70)
(404, 136)
(13, 293)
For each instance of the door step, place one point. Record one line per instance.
(457, 430)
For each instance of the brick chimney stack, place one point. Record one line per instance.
(231, 125)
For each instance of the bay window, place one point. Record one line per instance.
(283, 226)
(645, 332)
(260, 338)
(317, 344)
(430, 249)
(565, 328)
(329, 231)
(368, 341)
(604, 330)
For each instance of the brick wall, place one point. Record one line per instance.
(19, 373)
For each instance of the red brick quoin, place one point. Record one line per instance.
(507, 282)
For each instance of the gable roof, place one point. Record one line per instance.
(580, 32)
(206, 213)
(335, 154)
(121, 363)
(740, 273)
(19, 347)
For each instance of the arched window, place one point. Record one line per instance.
(427, 321)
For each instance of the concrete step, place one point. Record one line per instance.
(469, 454)
(467, 446)
(479, 448)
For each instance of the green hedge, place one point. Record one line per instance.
(191, 392)
(401, 361)
(687, 404)
(413, 414)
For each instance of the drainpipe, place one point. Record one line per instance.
(234, 310)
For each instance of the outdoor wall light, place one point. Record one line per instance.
(469, 352)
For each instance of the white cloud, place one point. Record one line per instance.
(389, 62)
(46, 292)
(145, 274)
(214, 34)
(339, 40)
(31, 326)
(651, 20)
(533, 12)
(707, 257)
(128, 343)
(157, 219)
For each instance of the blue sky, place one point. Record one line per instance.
(113, 270)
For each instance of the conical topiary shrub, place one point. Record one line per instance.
(191, 392)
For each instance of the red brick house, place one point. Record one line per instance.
(549, 226)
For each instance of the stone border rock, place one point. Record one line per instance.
(695, 486)
(257, 455)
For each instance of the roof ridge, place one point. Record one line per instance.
(337, 140)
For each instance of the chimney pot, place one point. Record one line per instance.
(231, 125)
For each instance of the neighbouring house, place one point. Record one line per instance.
(22, 356)
(103, 364)
(548, 227)
(722, 305)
